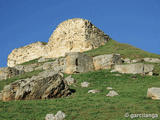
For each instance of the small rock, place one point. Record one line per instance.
(154, 93)
(93, 91)
(70, 80)
(150, 73)
(60, 115)
(50, 117)
(112, 93)
(85, 84)
(127, 60)
(109, 88)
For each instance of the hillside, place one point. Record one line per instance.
(91, 78)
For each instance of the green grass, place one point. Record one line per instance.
(18, 77)
(126, 50)
(30, 62)
(84, 106)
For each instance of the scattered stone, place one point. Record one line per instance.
(93, 91)
(8, 72)
(152, 60)
(137, 68)
(112, 93)
(109, 88)
(106, 61)
(85, 84)
(59, 116)
(76, 62)
(154, 93)
(47, 85)
(70, 80)
(50, 117)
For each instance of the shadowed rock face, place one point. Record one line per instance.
(46, 85)
(73, 35)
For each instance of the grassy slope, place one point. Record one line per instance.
(84, 106)
(124, 49)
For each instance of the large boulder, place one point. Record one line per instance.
(76, 62)
(8, 72)
(48, 84)
(73, 35)
(106, 61)
(137, 68)
(152, 60)
(153, 93)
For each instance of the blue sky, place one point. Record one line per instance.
(136, 22)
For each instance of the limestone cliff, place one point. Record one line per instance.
(73, 35)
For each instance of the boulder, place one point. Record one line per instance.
(69, 80)
(112, 93)
(126, 60)
(137, 68)
(78, 63)
(8, 72)
(106, 61)
(59, 116)
(27, 68)
(152, 60)
(153, 93)
(47, 85)
(85, 84)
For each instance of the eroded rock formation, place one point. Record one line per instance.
(73, 35)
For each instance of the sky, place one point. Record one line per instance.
(136, 22)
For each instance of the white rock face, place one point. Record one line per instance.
(73, 35)
(153, 93)
(85, 84)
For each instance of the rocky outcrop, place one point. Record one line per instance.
(26, 53)
(8, 72)
(46, 85)
(73, 35)
(78, 63)
(137, 68)
(153, 93)
(106, 61)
